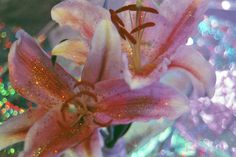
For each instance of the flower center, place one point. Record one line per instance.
(138, 25)
(82, 104)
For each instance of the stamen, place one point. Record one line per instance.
(149, 9)
(116, 18)
(85, 83)
(146, 69)
(133, 7)
(143, 26)
(131, 20)
(80, 121)
(65, 105)
(128, 35)
(119, 30)
(135, 40)
(90, 94)
(141, 36)
(136, 54)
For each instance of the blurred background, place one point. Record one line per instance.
(209, 129)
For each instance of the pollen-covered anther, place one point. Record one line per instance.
(134, 7)
(142, 26)
(84, 84)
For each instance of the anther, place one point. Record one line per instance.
(133, 7)
(143, 26)
(87, 93)
(84, 83)
(79, 121)
(119, 29)
(128, 35)
(116, 18)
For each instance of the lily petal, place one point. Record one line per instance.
(69, 153)
(80, 15)
(91, 147)
(51, 135)
(75, 50)
(104, 60)
(33, 75)
(196, 64)
(173, 25)
(182, 18)
(178, 80)
(97, 2)
(123, 105)
(14, 129)
(195, 90)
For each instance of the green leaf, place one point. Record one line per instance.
(53, 60)
(114, 133)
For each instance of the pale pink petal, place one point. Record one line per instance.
(79, 14)
(179, 80)
(33, 75)
(196, 87)
(75, 50)
(97, 2)
(173, 26)
(91, 147)
(122, 105)
(15, 129)
(191, 60)
(52, 134)
(150, 74)
(182, 20)
(104, 60)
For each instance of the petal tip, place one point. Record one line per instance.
(19, 33)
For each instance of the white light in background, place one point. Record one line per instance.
(225, 5)
(190, 41)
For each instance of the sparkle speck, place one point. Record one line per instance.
(226, 5)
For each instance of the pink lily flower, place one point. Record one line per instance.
(158, 53)
(163, 56)
(69, 112)
(102, 97)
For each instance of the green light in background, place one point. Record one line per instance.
(182, 146)
(148, 148)
(4, 100)
(3, 92)
(1, 86)
(12, 91)
(12, 150)
(163, 136)
(3, 34)
(7, 115)
(204, 27)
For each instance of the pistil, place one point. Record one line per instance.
(136, 53)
